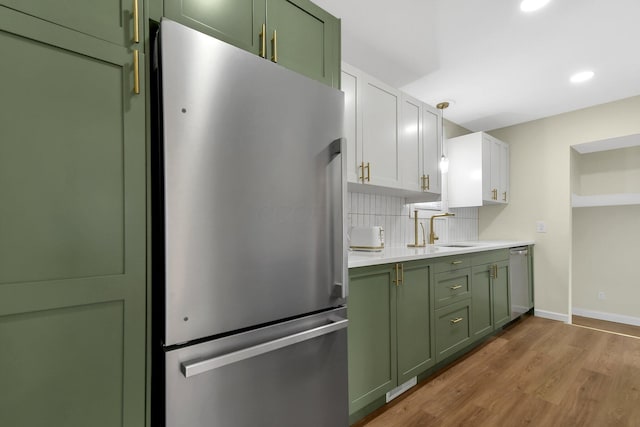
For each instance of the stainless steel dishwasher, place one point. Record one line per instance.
(521, 292)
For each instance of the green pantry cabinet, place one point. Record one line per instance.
(297, 34)
(72, 216)
(401, 325)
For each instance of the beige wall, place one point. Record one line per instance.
(606, 172)
(540, 184)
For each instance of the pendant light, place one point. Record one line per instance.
(444, 161)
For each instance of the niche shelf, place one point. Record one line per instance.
(620, 199)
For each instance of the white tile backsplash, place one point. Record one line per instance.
(396, 216)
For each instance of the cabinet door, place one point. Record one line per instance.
(237, 22)
(414, 324)
(372, 335)
(110, 20)
(481, 301)
(352, 122)
(431, 148)
(410, 144)
(453, 328)
(380, 133)
(503, 197)
(72, 252)
(501, 300)
(304, 38)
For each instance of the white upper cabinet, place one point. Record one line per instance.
(431, 149)
(371, 128)
(392, 139)
(410, 143)
(478, 170)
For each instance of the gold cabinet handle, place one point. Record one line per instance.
(402, 273)
(456, 320)
(454, 288)
(456, 262)
(504, 196)
(136, 26)
(426, 182)
(263, 41)
(397, 280)
(136, 72)
(361, 177)
(493, 271)
(368, 172)
(274, 47)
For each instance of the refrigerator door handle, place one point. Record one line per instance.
(338, 203)
(190, 369)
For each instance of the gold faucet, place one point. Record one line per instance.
(432, 234)
(415, 243)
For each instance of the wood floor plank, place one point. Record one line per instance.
(604, 325)
(538, 372)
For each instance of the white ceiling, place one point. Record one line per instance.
(499, 65)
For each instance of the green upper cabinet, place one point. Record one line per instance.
(110, 20)
(237, 22)
(72, 220)
(414, 321)
(294, 33)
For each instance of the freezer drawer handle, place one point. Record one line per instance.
(189, 369)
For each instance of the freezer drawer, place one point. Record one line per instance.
(288, 374)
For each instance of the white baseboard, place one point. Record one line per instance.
(611, 317)
(551, 315)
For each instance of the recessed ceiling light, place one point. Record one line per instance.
(582, 76)
(531, 5)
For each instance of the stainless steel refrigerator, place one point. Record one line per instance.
(249, 259)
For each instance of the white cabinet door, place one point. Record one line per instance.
(504, 173)
(478, 170)
(431, 149)
(380, 134)
(352, 122)
(410, 143)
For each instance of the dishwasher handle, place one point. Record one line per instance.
(190, 369)
(519, 251)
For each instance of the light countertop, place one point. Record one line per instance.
(401, 254)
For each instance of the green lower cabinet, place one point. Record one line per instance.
(416, 342)
(372, 334)
(453, 328)
(297, 34)
(482, 301)
(501, 297)
(72, 252)
(390, 329)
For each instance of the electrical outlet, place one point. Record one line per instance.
(541, 227)
(602, 295)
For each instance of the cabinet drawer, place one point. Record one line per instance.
(453, 328)
(489, 257)
(451, 263)
(452, 286)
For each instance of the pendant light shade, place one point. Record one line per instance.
(444, 161)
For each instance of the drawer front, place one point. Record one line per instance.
(489, 257)
(453, 329)
(451, 263)
(452, 286)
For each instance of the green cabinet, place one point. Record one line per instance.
(490, 292)
(372, 334)
(453, 289)
(295, 33)
(390, 329)
(416, 342)
(72, 219)
(115, 21)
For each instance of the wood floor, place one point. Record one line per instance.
(538, 372)
(618, 328)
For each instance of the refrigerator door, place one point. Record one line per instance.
(254, 191)
(290, 374)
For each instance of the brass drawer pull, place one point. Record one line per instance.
(456, 262)
(453, 288)
(456, 320)
(136, 25)
(136, 72)
(263, 42)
